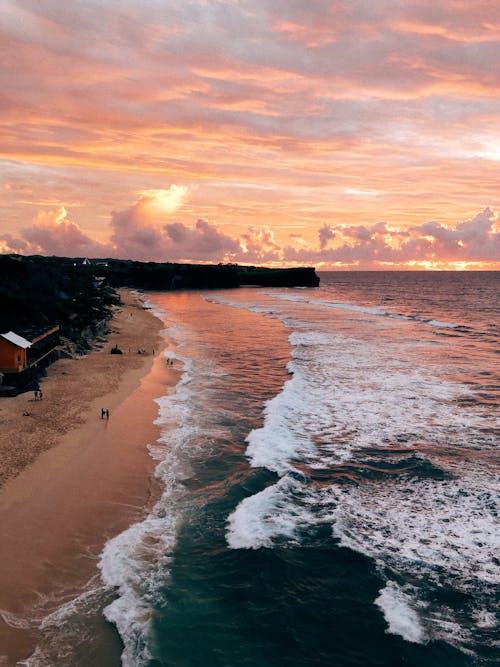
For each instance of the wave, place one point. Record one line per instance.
(136, 563)
(261, 519)
(402, 619)
(367, 310)
(421, 520)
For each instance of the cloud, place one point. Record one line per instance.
(164, 201)
(349, 99)
(52, 233)
(325, 234)
(476, 240)
(143, 232)
(258, 245)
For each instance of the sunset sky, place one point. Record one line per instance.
(356, 134)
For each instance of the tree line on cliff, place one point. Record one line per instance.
(78, 294)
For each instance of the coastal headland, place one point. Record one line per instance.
(73, 298)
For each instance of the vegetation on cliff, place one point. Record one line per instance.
(42, 291)
(169, 276)
(78, 294)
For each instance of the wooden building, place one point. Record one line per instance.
(13, 356)
(43, 343)
(23, 355)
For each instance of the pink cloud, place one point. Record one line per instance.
(473, 240)
(139, 233)
(259, 246)
(325, 234)
(52, 233)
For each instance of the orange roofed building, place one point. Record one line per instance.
(13, 357)
(23, 353)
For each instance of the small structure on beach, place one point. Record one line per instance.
(23, 354)
(13, 357)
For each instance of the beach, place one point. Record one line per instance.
(321, 486)
(70, 479)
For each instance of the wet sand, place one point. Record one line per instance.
(92, 479)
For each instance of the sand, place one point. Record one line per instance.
(71, 388)
(72, 480)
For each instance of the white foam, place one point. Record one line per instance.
(226, 301)
(441, 325)
(401, 618)
(272, 514)
(485, 619)
(64, 632)
(361, 309)
(17, 621)
(429, 525)
(367, 310)
(285, 297)
(280, 440)
(382, 312)
(136, 563)
(431, 530)
(347, 394)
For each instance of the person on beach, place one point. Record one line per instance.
(107, 413)
(35, 393)
(103, 413)
(40, 395)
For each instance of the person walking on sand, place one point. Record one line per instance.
(40, 395)
(103, 412)
(107, 413)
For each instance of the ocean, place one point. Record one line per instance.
(329, 473)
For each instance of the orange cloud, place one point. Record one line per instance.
(52, 233)
(286, 116)
(141, 232)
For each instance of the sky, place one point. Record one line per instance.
(354, 134)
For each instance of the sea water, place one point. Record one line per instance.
(329, 466)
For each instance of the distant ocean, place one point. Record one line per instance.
(330, 469)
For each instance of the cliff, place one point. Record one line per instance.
(297, 277)
(78, 294)
(169, 276)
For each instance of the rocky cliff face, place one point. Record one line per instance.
(167, 276)
(296, 277)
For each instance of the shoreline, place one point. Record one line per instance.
(88, 478)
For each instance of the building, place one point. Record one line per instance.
(13, 357)
(24, 354)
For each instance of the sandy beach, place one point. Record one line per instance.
(70, 479)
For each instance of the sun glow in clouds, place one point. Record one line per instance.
(165, 201)
(271, 122)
